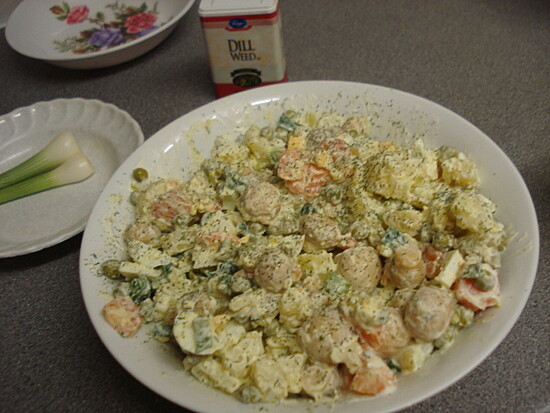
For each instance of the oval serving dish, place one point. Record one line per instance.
(172, 151)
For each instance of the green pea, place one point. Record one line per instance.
(484, 281)
(140, 174)
(110, 268)
(249, 393)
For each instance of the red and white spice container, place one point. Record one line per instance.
(245, 43)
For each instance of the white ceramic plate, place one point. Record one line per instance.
(397, 115)
(106, 134)
(91, 34)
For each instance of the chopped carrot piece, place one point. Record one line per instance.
(373, 376)
(388, 338)
(123, 315)
(474, 298)
(293, 165)
(169, 205)
(335, 145)
(433, 259)
(310, 185)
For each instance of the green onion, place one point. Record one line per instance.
(76, 169)
(58, 151)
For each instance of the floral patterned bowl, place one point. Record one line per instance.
(91, 34)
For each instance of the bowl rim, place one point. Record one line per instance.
(274, 93)
(11, 30)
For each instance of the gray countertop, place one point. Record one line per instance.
(489, 61)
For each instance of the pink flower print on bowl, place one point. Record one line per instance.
(140, 22)
(77, 15)
(116, 24)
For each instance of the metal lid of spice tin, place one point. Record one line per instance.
(210, 8)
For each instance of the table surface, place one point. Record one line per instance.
(488, 61)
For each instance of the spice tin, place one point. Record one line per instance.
(245, 44)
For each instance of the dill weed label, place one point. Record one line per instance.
(244, 43)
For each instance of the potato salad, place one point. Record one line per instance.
(308, 259)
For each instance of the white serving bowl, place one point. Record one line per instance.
(91, 34)
(401, 115)
(106, 135)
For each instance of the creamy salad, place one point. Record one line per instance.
(308, 259)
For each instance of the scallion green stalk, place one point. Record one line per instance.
(76, 169)
(59, 150)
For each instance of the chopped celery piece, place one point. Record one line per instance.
(162, 332)
(483, 278)
(203, 334)
(242, 228)
(234, 181)
(165, 271)
(227, 267)
(206, 217)
(392, 364)
(393, 238)
(462, 316)
(307, 209)
(275, 155)
(447, 338)
(140, 289)
(286, 121)
(336, 284)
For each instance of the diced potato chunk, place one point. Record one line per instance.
(450, 269)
